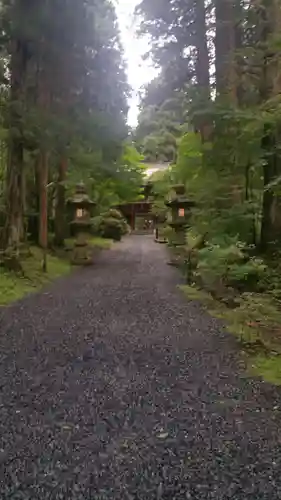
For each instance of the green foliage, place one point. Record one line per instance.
(13, 287)
(111, 228)
(255, 321)
(101, 243)
(170, 26)
(96, 225)
(95, 242)
(161, 182)
(229, 265)
(231, 162)
(267, 367)
(227, 175)
(158, 129)
(109, 183)
(115, 214)
(256, 324)
(110, 224)
(78, 113)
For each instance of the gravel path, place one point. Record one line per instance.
(114, 387)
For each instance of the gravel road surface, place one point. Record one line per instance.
(113, 386)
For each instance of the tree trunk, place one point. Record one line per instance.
(43, 219)
(44, 103)
(14, 230)
(202, 66)
(60, 204)
(270, 23)
(225, 45)
(202, 62)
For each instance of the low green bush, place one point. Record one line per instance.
(111, 228)
(96, 223)
(114, 213)
(229, 264)
(110, 224)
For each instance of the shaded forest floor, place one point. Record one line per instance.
(14, 286)
(256, 323)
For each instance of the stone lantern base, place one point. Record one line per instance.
(179, 234)
(159, 236)
(177, 244)
(177, 256)
(82, 251)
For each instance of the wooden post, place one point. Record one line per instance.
(133, 218)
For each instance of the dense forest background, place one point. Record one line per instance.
(214, 110)
(63, 117)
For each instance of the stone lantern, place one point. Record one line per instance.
(180, 213)
(81, 207)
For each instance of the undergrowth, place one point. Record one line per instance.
(14, 286)
(256, 323)
(95, 241)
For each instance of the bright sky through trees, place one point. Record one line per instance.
(139, 71)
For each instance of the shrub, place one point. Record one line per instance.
(115, 214)
(111, 228)
(110, 224)
(96, 223)
(229, 265)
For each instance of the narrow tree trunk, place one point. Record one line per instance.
(60, 204)
(202, 66)
(202, 62)
(238, 56)
(270, 23)
(37, 187)
(14, 232)
(225, 45)
(43, 194)
(43, 102)
(14, 229)
(247, 182)
(271, 210)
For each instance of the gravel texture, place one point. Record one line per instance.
(114, 387)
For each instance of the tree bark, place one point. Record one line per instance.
(43, 102)
(225, 45)
(14, 231)
(270, 23)
(43, 195)
(15, 202)
(202, 66)
(60, 204)
(202, 62)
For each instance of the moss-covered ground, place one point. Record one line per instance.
(257, 325)
(14, 286)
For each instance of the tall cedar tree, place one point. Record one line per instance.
(65, 62)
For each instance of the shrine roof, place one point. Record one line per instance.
(140, 202)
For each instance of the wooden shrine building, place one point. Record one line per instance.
(138, 213)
